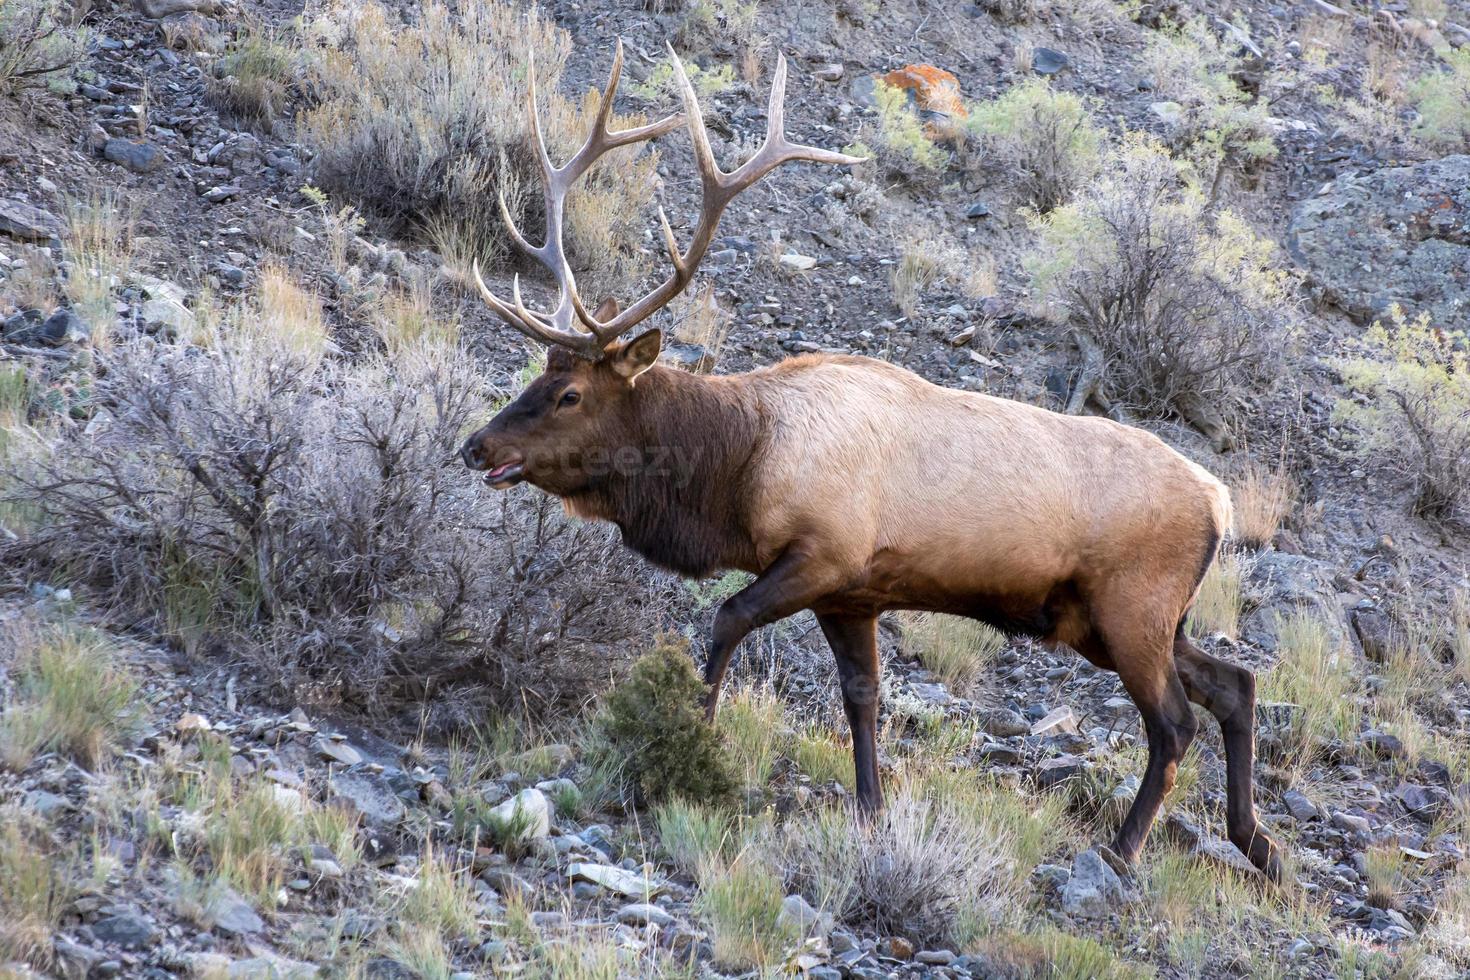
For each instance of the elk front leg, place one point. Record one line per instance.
(790, 584)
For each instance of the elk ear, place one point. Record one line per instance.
(637, 356)
(606, 310)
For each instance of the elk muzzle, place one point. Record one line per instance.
(503, 469)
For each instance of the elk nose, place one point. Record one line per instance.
(470, 453)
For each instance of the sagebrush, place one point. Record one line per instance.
(1186, 305)
(425, 123)
(1415, 416)
(259, 491)
(1044, 138)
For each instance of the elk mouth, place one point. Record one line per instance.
(506, 475)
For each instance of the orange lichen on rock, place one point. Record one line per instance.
(934, 88)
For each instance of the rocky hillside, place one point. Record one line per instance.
(284, 691)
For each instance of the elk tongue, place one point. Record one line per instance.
(505, 475)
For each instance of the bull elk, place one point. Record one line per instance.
(849, 486)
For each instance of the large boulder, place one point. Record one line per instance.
(1394, 235)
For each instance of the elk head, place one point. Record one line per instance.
(582, 408)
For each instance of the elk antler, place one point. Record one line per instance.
(718, 189)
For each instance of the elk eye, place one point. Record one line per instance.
(569, 399)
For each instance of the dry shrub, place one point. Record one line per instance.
(1263, 498)
(1046, 140)
(256, 491)
(252, 80)
(1183, 303)
(36, 43)
(424, 123)
(1415, 418)
(922, 869)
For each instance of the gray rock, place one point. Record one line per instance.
(1050, 772)
(1048, 61)
(1394, 235)
(370, 795)
(1299, 806)
(644, 914)
(27, 222)
(690, 357)
(57, 330)
(529, 806)
(1286, 584)
(127, 929)
(1382, 744)
(233, 916)
(507, 882)
(798, 914)
(1093, 889)
(168, 313)
(138, 156)
(46, 804)
(1057, 720)
(1352, 824)
(338, 752)
(1003, 723)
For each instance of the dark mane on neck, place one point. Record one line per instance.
(681, 506)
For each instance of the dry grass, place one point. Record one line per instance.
(820, 756)
(918, 268)
(406, 318)
(1263, 498)
(1459, 632)
(696, 836)
(71, 695)
(741, 904)
(252, 80)
(699, 319)
(34, 891)
(1217, 606)
(955, 649)
(1387, 871)
(424, 124)
(1318, 678)
(286, 316)
(928, 870)
(99, 245)
(754, 727)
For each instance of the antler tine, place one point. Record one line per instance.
(559, 327)
(719, 188)
(530, 324)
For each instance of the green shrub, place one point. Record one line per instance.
(1442, 99)
(654, 722)
(1415, 417)
(1219, 126)
(899, 141)
(1046, 139)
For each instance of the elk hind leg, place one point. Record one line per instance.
(854, 642)
(1228, 692)
(1145, 663)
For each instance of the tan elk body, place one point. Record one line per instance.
(849, 486)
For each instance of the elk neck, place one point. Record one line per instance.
(682, 506)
